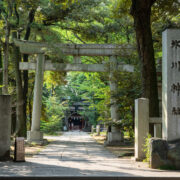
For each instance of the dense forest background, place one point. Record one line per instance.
(83, 22)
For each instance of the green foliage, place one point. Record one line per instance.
(147, 148)
(83, 21)
(54, 113)
(129, 88)
(53, 79)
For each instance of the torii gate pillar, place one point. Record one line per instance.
(116, 135)
(35, 134)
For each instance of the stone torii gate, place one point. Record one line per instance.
(75, 50)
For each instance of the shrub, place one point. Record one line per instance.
(52, 121)
(147, 148)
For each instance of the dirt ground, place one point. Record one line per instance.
(30, 149)
(125, 150)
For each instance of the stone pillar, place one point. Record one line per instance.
(98, 129)
(141, 126)
(115, 136)
(171, 85)
(157, 130)
(92, 129)
(5, 126)
(35, 134)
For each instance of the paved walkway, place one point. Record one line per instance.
(77, 154)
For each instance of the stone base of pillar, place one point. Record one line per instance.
(114, 138)
(35, 136)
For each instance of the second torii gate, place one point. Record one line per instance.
(75, 50)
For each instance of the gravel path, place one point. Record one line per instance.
(77, 154)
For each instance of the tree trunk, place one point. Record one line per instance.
(30, 103)
(25, 58)
(1, 74)
(6, 60)
(30, 111)
(21, 121)
(141, 12)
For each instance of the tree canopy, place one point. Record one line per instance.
(138, 23)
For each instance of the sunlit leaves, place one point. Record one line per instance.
(121, 8)
(53, 79)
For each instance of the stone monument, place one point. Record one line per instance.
(171, 85)
(19, 153)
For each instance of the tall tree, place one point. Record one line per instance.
(1, 80)
(6, 14)
(141, 12)
(20, 119)
(25, 58)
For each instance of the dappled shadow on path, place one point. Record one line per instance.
(38, 169)
(70, 156)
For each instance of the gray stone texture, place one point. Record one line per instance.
(27, 47)
(35, 134)
(158, 130)
(5, 126)
(37, 99)
(163, 153)
(158, 152)
(98, 128)
(19, 152)
(174, 154)
(115, 136)
(142, 122)
(141, 126)
(50, 66)
(170, 85)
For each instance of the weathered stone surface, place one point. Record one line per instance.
(158, 130)
(114, 138)
(75, 67)
(141, 126)
(98, 129)
(37, 99)
(170, 85)
(19, 153)
(174, 153)
(28, 47)
(116, 135)
(34, 136)
(5, 126)
(163, 153)
(156, 161)
(158, 152)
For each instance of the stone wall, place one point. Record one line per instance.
(164, 154)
